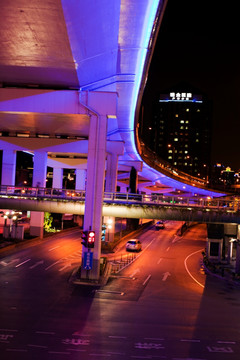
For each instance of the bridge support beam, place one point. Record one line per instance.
(39, 180)
(8, 167)
(57, 178)
(111, 181)
(80, 179)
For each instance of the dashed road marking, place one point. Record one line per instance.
(24, 262)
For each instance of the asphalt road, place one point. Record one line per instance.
(162, 306)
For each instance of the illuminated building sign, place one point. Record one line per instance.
(181, 96)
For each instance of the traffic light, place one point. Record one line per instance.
(103, 232)
(91, 239)
(84, 237)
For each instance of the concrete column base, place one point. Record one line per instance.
(36, 224)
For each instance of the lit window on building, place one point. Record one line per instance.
(197, 140)
(181, 121)
(175, 139)
(176, 115)
(187, 110)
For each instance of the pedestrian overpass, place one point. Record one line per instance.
(124, 205)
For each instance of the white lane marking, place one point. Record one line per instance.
(56, 262)
(36, 264)
(166, 275)
(146, 280)
(45, 332)
(167, 249)
(115, 353)
(134, 272)
(187, 359)
(110, 292)
(79, 350)
(9, 330)
(117, 337)
(159, 261)
(175, 239)
(190, 340)
(65, 266)
(37, 346)
(157, 339)
(17, 350)
(55, 247)
(24, 262)
(59, 352)
(141, 357)
(185, 264)
(226, 342)
(100, 355)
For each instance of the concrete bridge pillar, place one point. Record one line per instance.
(99, 106)
(133, 180)
(111, 183)
(80, 179)
(39, 169)
(8, 167)
(39, 180)
(57, 178)
(94, 192)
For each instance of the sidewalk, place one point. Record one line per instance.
(221, 271)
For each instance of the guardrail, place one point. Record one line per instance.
(228, 203)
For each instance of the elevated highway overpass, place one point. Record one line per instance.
(72, 74)
(54, 56)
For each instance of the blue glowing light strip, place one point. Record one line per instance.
(146, 32)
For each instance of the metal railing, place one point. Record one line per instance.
(231, 203)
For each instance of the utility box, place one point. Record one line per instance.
(13, 232)
(17, 232)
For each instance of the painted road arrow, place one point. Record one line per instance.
(4, 263)
(166, 275)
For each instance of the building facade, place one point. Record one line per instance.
(180, 132)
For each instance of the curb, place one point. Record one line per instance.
(225, 278)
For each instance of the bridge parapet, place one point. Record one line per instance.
(227, 204)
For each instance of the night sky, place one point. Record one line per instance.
(198, 43)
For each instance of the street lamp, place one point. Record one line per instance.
(109, 226)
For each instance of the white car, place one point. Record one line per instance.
(159, 225)
(134, 245)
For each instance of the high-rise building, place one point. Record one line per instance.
(181, 130)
